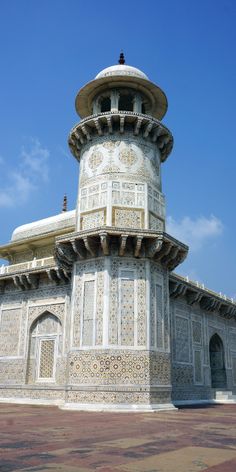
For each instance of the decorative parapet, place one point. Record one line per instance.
(196, 293)
(122, 121)
(156, 245)
(27, 265)
(25, 276)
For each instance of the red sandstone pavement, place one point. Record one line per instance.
(39, 438)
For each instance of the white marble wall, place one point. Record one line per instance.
(120, 302)
(120, 184)
(191, 331)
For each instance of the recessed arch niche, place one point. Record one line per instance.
(44, 348)
(217, 362)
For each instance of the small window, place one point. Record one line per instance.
(143, 109)
(105, 104)
(126, 103)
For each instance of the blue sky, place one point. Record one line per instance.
(49, 49)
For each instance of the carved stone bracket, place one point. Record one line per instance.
(154, 247)
(137, 126)
(181, 256)
(62, 275)
(165, 251)
(79, 137)
(138, 245)
(98, 127)
(104, 238)
(147, 130)
(157, 132)
(171, 255)
(89, 246)
(109, 124)
(122, 124)
(177, 289)
(86, 132)
(228, 311)
(209, 303)
(18, 282)
(65, 256)
(193, 297)
(33, 280)
(123, 241)
(79, 251)
(52, 275)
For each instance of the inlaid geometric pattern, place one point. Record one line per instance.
(155, 223)
(127, 312)
(95, 159)
(93, 219)
(47, 347)
(182, 339)
(159, 312)
(94, 268)
(197, 332)
(159, 316)
(197, 366)
(10, 332)
(128, 218)
(88, 312)
(117, 367)
(127, 156)
(120, 266)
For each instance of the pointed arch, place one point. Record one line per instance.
(52, 320)
(217, 362)
(45, 339)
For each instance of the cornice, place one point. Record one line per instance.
(26, 279)
(195, 293)
(155, 245)
(120, 122)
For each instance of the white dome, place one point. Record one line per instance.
(121, 69)
(53, 223)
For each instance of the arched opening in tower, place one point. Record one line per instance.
(105, 104)
(126, 102)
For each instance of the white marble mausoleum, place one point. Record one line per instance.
(93, 315)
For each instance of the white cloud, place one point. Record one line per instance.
(31, 172)
(195, 232)
(5, 198)
(35, 160)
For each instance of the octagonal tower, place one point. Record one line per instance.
(120, 255)
(120, 144)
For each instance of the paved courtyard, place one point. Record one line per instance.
(44, 438)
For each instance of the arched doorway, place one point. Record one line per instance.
(217, 362)
(44, 348)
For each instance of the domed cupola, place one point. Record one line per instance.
(121, 87)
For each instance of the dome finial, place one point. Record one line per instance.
(64, 206)
(121, 58)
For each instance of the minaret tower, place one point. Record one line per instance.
(120, 256)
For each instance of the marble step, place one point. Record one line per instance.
(225, 396)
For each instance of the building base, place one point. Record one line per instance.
(119, 407)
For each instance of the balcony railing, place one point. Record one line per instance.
(28, 265)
